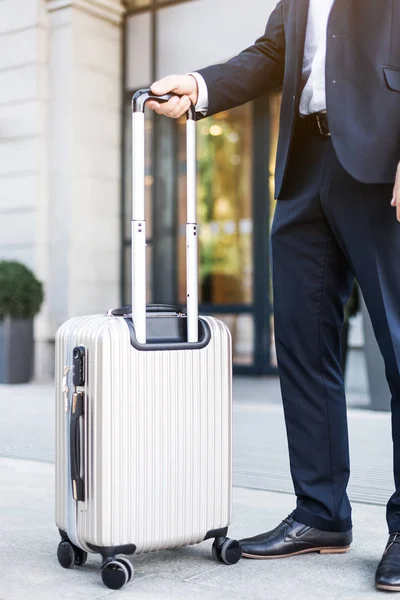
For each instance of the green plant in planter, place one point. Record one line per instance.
(21, 294)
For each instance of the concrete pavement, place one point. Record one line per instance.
(29, 568)
(260, 449)
(28, 537)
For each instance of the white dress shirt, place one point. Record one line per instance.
(313, 98)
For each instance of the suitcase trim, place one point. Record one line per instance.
(111, 551)
(216, 533)
(104, 551)
(204, 337)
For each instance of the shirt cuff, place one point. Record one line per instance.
(202, 100)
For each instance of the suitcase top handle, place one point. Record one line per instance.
(126, 311)
(141, 98)
(139, 101)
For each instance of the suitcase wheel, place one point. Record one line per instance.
(69, 555)
(116, 573)
(227, 551)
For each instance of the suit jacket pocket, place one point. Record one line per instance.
(392, 76)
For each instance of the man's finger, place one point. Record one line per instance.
(181, 108)
(174, 108)
(167, 108)
(159, 88)
(164, 86)
(153, 105)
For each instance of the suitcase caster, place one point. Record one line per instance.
(227, 551)
(116, 573)
(69, 555)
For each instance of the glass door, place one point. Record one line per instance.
(225, 217)
(236, 155)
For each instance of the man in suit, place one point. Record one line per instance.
(338, 190)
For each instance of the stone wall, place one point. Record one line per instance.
(60, 151)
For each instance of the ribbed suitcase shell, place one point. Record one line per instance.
(157, 438)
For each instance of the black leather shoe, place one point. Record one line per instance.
(291, 538)
(388, 572)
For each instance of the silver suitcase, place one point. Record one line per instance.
(144, 414)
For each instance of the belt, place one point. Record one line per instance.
(317, 123)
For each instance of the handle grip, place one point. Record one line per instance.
(126, 311)
(78, 484)
(141, 98)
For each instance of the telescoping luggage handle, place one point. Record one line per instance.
(139, 223)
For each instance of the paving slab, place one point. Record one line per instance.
(30, 571)
(261, 459)
(259, 441)
(28, 536)
(161, 588)
(310, 576)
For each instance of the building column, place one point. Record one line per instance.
(81, 205)
(23, 95)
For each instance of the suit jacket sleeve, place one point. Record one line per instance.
(253, 72)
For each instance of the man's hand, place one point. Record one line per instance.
(184, 86)
(396, 193)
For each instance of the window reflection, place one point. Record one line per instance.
(224, 213)
(241, 327)
(225, 217)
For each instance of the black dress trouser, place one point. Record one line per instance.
(328, 228)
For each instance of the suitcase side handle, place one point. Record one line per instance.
(77, 411)
(139, 223)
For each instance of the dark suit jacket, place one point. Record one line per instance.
(362, 74)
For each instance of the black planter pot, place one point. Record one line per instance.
(16, 350)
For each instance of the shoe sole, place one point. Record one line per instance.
(332, 550)
(388, 588)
